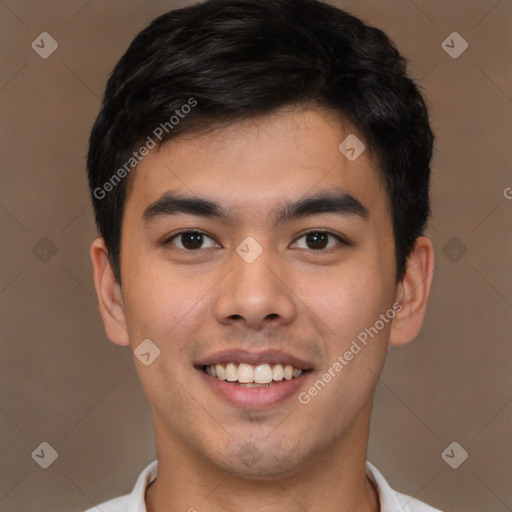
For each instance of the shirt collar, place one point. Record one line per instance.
(390, 500)
(136, 502)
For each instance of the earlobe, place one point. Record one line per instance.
(413, 292)
(109, 294)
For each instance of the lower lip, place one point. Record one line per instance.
(257, 397)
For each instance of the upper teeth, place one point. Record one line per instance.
(246, 373)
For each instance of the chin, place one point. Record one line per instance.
(259, 461)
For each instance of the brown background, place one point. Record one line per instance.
(63, 382)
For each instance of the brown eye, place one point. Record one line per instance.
(192, 240)
(189, 240)
(319, 240)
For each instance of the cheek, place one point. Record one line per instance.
(348, 309)
(165, 308)
(162, 302)
(345, 300)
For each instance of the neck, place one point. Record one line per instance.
(331, 481)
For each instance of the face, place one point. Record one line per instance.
(243, 281)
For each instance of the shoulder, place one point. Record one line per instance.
(391, 500)
(133, 502)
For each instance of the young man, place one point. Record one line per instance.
(259, 172)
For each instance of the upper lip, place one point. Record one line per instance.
(254, 358)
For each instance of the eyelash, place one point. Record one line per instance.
(339, 238)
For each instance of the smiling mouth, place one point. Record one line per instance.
(253, 376)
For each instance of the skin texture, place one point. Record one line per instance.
(307, 302)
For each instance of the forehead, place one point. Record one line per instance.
(251, 165)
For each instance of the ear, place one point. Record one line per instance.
(412, 293)
(109, 294)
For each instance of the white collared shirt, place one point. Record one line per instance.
(390, 500)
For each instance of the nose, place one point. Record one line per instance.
(256, 295)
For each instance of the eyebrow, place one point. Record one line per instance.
(335, 201)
